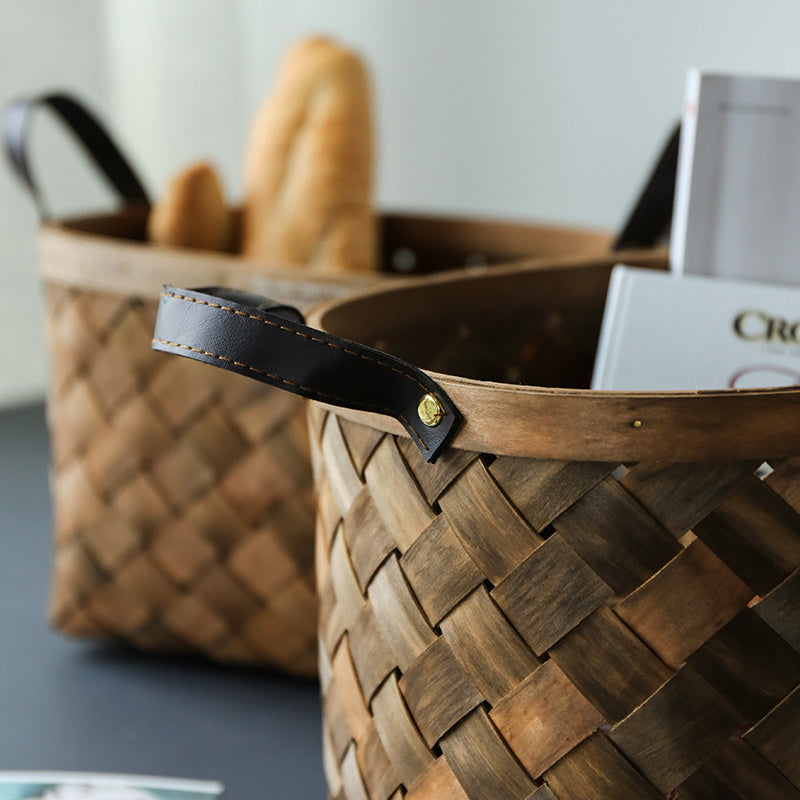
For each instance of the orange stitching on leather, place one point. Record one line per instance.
(377, 409)
(298, 333)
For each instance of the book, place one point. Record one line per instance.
(737, 191)
(664, 332)
(102, 786)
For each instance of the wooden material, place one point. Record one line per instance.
(738, 770)
(544, 717)
(595, 768)
(688, 601)
(552, 626)
(183, 499)
(183, 496)
(108, 253)
(637, 695)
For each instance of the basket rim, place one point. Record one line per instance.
(71, 255)
(82, 252)
(585, 424)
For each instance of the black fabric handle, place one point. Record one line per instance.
(88, 130)
(269, 342)
(651, 217)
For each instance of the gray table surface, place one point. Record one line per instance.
(67, 705)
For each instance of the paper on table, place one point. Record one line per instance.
(102, 786)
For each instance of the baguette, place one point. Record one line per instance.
(308, 165)
(192, 212)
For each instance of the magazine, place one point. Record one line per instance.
(666, 332)
(737, 192)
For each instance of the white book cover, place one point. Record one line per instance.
(664, 332)
(737, 192)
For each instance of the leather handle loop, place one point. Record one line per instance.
(88, 130)
(264, 340)
(651, 217)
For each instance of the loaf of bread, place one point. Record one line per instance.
(309, 164)
(192, 212)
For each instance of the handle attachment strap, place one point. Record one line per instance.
(267, 341)
(88, 130)
(651, 217)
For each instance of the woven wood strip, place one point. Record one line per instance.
(421, 565)
(544, 717)
(631, 672)
(780, 609)
(595, 768)
(380, 777)
(368, 540)
(519, 628)
(438, 780)
(532, 598)
(756, 533)
(684, 604)
(737, 770)
(609, 513)
(749, 664)
(784, 479)
(183, 497)
(777, 736)
(679, 495)
(488, 645)
(475, 502)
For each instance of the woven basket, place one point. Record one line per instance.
(587, 596)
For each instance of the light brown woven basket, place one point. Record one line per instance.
(588, 596)
(183, 503)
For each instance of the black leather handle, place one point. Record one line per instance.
(269, 342)
(88, 130)
(651, 217)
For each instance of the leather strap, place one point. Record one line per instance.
(88, 130)
(269, 342)
(651, 217)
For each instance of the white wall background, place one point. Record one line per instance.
(534, 109)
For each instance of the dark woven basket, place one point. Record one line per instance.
(588, 595)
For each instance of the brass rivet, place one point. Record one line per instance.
(430, 410)
(637, 423)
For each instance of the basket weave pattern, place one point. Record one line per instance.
(183, 496)
(501, 628)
